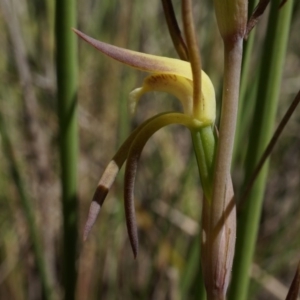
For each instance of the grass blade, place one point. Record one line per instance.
(264, 117)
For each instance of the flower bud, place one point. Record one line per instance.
(232, 18)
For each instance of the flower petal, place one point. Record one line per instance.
(181, 88)
(104, 185)
(136, 148)
(141, 61)
(109, 175)
(160, 65)
(208, 109)
(178, 86)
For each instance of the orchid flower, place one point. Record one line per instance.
(166, 75)
(169, 75)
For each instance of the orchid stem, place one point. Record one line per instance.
(204, 146)
(233, 60)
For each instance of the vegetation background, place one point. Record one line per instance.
(168, 192)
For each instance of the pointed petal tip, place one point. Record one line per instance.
(134, 240)
(93, 213)
(76, 31)
(135, 251)
(138, 60)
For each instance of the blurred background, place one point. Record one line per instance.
(168, 193)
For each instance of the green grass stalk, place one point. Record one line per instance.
(262, 129)
(192, 284)
(270, 147)
(66, 64)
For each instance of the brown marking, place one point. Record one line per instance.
(162, 78)
(100, 194)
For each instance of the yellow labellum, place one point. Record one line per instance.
(175, 85)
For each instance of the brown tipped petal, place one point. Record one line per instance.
(100, 194)
(106, 182)
(109, 176)
(93, 213)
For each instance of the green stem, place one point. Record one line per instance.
(66, 63)
(264, 117)
(204, 146)
(204, 142)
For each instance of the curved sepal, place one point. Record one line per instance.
(108, 177)
(132, 162)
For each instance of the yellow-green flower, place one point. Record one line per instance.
(169, 75)
(166, 75)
